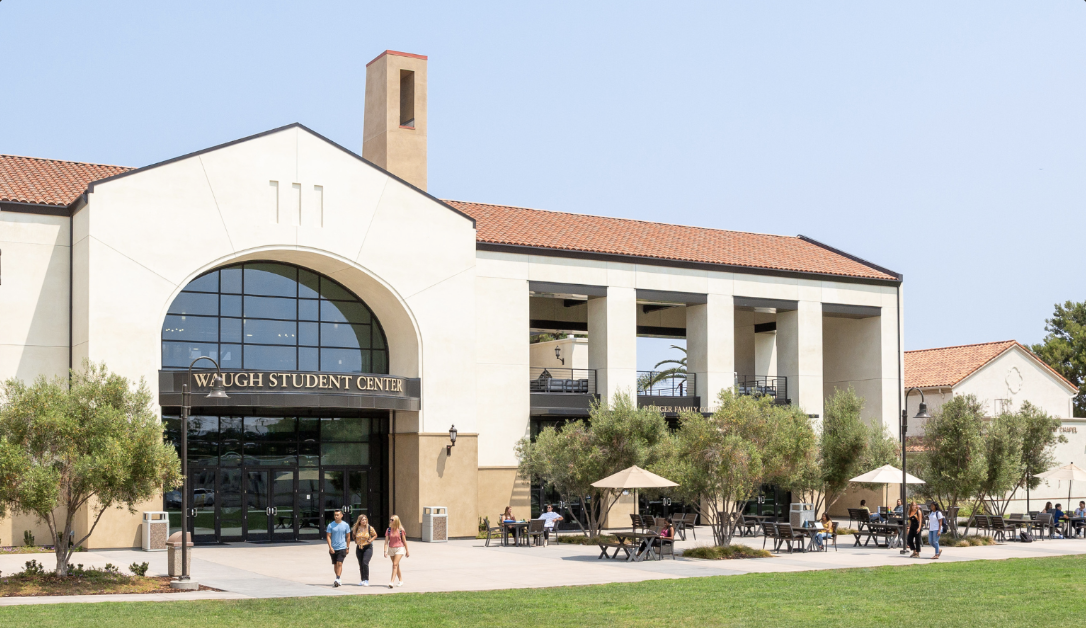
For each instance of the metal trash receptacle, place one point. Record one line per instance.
(435, 524)
(156, 528)
(800, 513)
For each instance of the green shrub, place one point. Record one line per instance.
(139, 569)
(950, 540)
(844, 531)
(33, 568)
(720, 552)
(28, 538)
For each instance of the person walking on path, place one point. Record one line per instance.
(364, 535)
(396, 549)
(338, 536)
(936, 525)
(914, 529)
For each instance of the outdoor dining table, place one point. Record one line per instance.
(1068, 525)
(635, 538)
(515, 527)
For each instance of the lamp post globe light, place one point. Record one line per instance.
(452, 439)
(218, 391)
(921, 413)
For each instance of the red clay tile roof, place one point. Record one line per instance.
(946, 366)
(497, 224)
(58, 183)
(48, 181)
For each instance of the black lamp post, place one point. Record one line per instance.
(218, 391)
(558, 355)
(921, 413)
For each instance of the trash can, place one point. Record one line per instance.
(435, 524)
(173, 555)
(156, 527)
(800, 515)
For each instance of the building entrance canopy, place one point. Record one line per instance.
(296, 389)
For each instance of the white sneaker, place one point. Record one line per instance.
(335, 583)
(399, 583)
(364, 583)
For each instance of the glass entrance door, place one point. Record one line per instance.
(309, 505)
(257, 506)
(231, 515)
(284, 520)
(269, 505)
(346, 490)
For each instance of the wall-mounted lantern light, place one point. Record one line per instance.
(558, 355)
(452, 438)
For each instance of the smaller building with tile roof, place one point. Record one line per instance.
(1001, 374)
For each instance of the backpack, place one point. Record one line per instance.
(1025, 537)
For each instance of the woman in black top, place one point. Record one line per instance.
(914, 529)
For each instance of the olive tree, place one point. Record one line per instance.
(89, 444)
(954, 462)
(721, 461)
(571, 457)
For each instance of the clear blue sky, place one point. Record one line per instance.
(944, 140)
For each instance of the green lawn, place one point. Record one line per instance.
(1017, 592)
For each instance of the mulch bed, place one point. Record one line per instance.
(50, 585)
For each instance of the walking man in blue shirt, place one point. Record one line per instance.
(339, 541)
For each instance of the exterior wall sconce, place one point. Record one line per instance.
(558, 355)
(452, 437)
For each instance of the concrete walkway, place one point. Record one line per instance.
(303, 569)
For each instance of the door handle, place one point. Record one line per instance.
(275, 511)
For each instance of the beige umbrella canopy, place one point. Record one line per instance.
(886, 474)
(1070, 472)
(634, 477)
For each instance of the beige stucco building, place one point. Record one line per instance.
(358, 318)
(1002, 375)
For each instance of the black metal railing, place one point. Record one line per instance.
(562, 381)
(665, 384)
(763, 386)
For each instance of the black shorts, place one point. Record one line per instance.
(338, 556)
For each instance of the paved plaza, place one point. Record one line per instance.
(246, 570)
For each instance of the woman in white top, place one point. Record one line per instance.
(936, 524)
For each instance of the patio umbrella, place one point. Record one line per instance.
(1069, 472)
(886, 474)
(634, 477)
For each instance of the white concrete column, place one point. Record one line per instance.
(892, 332)
(612, 341)
(799, 354)
(710, 346)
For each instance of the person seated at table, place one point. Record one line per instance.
(666, 532)
(871, 516)
(1047, 508)
(899, 509)
(1057, 515)
(1080, 513)
(550, 518)
(507, 516)
(827, 533)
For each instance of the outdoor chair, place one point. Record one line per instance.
(1000, 528)
(770, 531)
(748, 525)
(535, 531)
(683, 522)
(860, 517)
(982, 523)
(492, 531)
(1041, 522)
(833, 538)
(786, 535)
(635, 522)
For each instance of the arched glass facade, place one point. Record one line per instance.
(270, 316)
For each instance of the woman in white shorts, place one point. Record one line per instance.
(396, 549)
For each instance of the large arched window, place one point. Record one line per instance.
(271, 316)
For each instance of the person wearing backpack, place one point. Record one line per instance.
(936, 526)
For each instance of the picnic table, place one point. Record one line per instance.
(635, 539)
(514, 527)
(891, 534)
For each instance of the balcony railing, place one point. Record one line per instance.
(665, 384)
(562, 380)
(763, 386)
